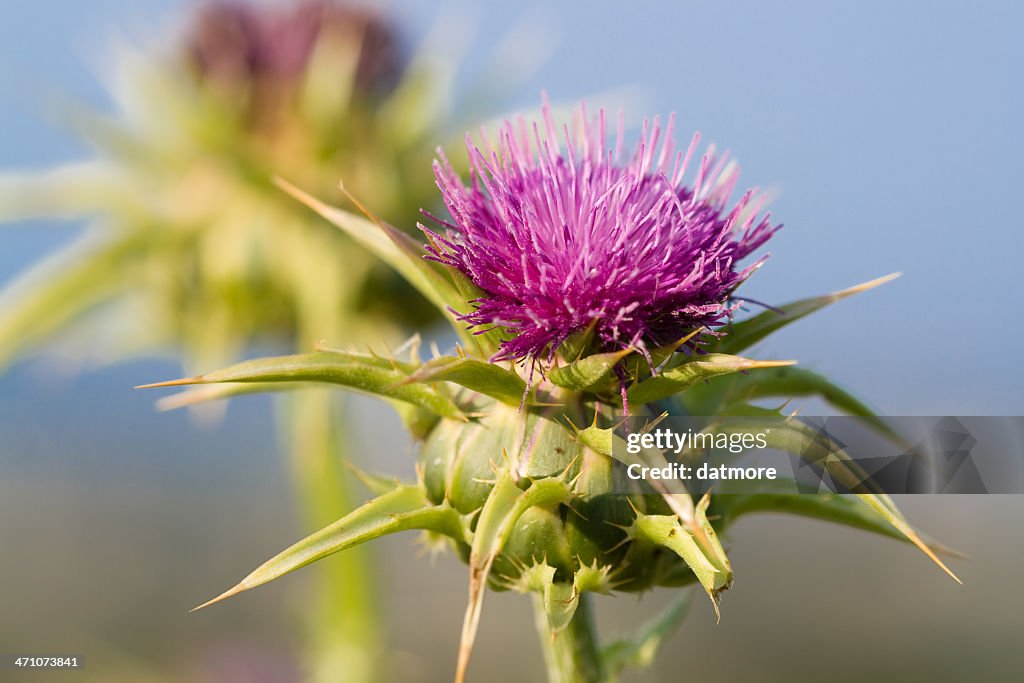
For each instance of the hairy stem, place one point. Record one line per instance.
(573, 655)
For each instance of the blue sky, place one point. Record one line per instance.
(889, 131)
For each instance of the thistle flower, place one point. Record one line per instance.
(560, 242)
(525, 496)
(264, 53)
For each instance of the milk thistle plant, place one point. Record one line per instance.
(582, 284)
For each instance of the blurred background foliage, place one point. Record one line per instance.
(191, 251)
(894, 132)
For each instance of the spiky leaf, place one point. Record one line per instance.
(476, 375)
(62, 287)
(396, 249)
(505, 505)
(792, 436)
(742, 335)
(357, 371)
(702, 368)
(588, 373)
(560, 602)
(666, 531)
(404, 508)
(778, 496)
(641, 648)
(783, 382)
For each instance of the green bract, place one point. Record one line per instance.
(520, 480)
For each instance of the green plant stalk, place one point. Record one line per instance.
(572, 655)
(343, 629)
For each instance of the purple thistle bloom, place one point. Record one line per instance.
(562, 240)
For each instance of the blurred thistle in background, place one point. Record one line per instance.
(189, 238)
(258, 57)
(191, 251)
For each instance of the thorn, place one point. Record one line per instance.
(182, 399)
(656, 421)
(621, 543)
(304, 197)
(749, 363)
(358, 204)
(198, 379)
(223, 596)
(635, 510)
(864, 286)
(410, 344)
(916, 540)
(576, 512)
(568, 467)
(572, 425)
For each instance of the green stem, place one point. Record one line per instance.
(573, 655)
(343, 627)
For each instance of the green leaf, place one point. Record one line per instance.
(560, 602)
(418, 421)
(678, 378)
(578, 342)
(588, 373)
(377, 484)
(55, 292)
(403, 509)
(789, 382)
(223, 392)
(742, 335)
(599, 440)
(503, 508)
(476, 375)
(356, 371)
(778, 496)
(797, 438)
(668, 532)
(73, 190)
(662, 353)
(641, 649)
(488, 341)
(396, 249)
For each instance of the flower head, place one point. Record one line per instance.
(565, 240)
(236, 44)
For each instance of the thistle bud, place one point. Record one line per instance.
(262, 54)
